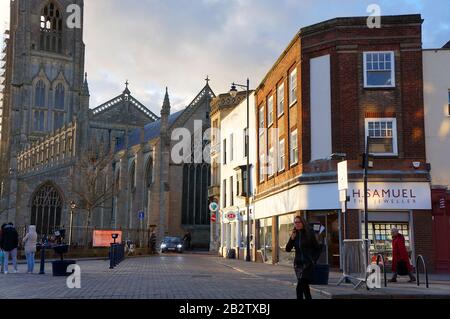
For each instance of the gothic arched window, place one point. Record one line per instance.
(46, 210)
(40, 94)
(149, 173)
(51, 28)
(59, 97)
(133, 176)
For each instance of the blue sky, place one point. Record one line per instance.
(176, 43)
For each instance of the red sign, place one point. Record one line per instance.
(103, 238)
(231, 216)
(442, 203)
(213, 218)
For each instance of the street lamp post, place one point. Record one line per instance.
(73, 206)
(366, 212)
(233, 93)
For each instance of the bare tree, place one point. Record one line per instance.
(92, 181)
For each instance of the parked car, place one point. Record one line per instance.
(172, 244)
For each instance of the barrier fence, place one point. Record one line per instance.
(355, 261)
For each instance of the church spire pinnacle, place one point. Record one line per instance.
(85, 86)
(166, 105)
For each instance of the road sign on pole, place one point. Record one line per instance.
(342, 176)
(214, 207)
(141, 215)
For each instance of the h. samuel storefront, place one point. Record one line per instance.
(406, 206)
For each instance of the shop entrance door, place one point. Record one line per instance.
(331, 255)
(441, 232)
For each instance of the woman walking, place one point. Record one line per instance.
(306, 248)
(30, 241)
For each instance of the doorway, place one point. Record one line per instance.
(331, 254)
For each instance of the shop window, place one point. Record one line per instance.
(285, 226)
(265, 239)
(381, 239)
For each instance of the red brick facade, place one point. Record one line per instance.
(345, 40)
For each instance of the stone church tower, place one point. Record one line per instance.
(43, 79)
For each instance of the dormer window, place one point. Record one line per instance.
(51, 29)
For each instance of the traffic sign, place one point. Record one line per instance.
(141, 215)
(342, 176)
(214, 207)
(213, 218)
(231, 216)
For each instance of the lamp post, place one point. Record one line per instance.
(233, 93)
(366, 165)
(73, 206)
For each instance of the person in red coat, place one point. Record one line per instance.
(400, 258)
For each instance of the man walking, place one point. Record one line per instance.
(9, 243)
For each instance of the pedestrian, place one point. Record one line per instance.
(306, 248)
(401, 265)
(153, 243)
(9, 243)
(187, 239)
(30, 241)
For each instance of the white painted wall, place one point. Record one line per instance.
(234, 123)
(436, 72)
(320, 77)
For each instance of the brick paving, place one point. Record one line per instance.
(187, 276)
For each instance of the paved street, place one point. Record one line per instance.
(187, 276)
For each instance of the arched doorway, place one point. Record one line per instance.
(46, 209)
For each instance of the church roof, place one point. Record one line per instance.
(120, 100)
(152, 130)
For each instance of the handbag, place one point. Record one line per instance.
(402, 269)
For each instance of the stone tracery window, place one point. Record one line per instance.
(51, 28)
(46, 210)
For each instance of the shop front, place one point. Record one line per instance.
(390, 205)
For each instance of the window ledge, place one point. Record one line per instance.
(294, 164)
(293, 103)
(380, 88)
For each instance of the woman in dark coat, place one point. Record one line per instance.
(306, 249)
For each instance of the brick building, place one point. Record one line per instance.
(336, 83)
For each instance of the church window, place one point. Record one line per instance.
(40, 94)
(39, 121)
(149, 173)
(51, 29)
(46, 210)
(58, 120)
(59, 97)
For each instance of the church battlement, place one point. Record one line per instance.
(55, 149)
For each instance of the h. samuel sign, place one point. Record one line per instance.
(391, 196)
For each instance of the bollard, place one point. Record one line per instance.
(111, 257)
(42, 268)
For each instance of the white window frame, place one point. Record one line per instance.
(394, 134)
(293, 148)
(366, 85)
(262, 165)
(270, 111)
(231, 147)
(261, 119)
(280, 100)
(292, 87)
(281, 155)
(271, 162)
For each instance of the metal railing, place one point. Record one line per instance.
(380, 256)
(116, 255)
(355, 261)
(420, 257)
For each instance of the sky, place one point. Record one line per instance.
(177, 43)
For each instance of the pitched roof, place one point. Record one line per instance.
(152, 130)
(120, 99)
